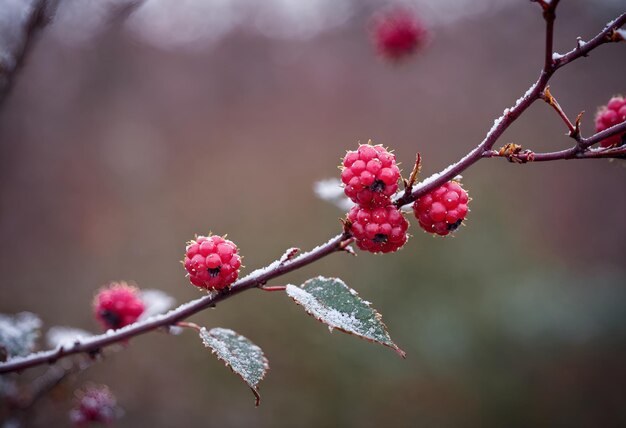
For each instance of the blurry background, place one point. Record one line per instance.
(122, 140)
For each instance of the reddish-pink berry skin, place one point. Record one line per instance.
(442, 210)
(378, 230)
(94, 404)
(612, 114)
(398, 33)
(370, 175)
(212, 262)
(117, 305)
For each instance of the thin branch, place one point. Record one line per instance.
(579, 151)
(549, 98)
(253, 280)
(549, 14)
(500, 125)
(584, 48)
(340, 242)
(20, 41)
(511, 114)
(25, 402)
(567, 154)
(603, 135)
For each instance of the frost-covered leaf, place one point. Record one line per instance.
(239, 353)
(338, 306)
(155, 302)
(64, 336)
(18, 334)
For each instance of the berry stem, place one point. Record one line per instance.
(190, 325)
(273, 288)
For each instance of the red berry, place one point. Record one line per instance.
(398, 33)
(212, 262)
(378, 230)
(370, 175)
(442, 210)
(612, 114)
(94, 404)
(118, 305)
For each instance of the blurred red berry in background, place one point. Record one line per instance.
(96, 404)
(398, 33)
(118, 305)
(609, 115)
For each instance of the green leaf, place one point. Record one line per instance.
(239, 353)
(335, 304)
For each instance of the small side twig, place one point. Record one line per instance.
(273, 288)
(547, 96)
(408, 184)
(580, 151)
(186, 324)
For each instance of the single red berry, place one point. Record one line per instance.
(609, 115)
(442, 210)
(378, 230)
(370, 175)
(117, 305)
(398, 33)
(212, 262)
(95, 403)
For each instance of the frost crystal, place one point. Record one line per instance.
(289, 254)
(331, 190)
(64, 336)
(155, 302)
(18, 334)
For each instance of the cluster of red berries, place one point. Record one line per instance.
(94, 404)
(398, 33)
(370, 176)
(612, 114)
(118, 305)
(212, 262)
